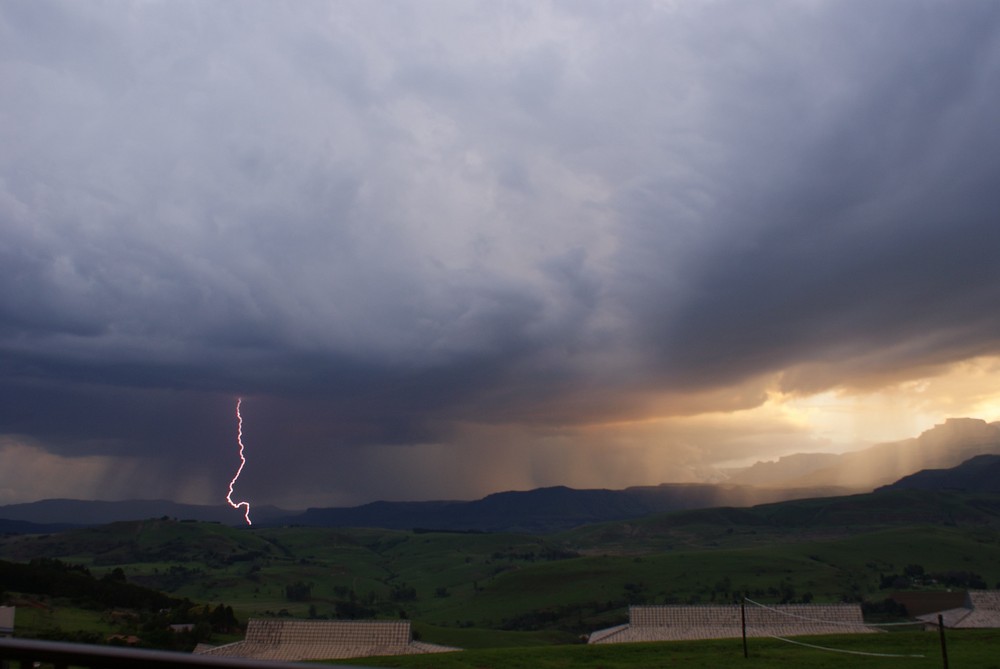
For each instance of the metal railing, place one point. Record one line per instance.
(26, 652)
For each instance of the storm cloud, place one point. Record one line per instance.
(444, 248)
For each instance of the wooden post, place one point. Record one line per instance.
(944, 646)
(743, 619)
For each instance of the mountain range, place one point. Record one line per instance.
(901, 464)
(551, 509)
(979, 474)
(98, 512)
(943, 446)
(533, 511)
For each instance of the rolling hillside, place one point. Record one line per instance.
(546, 510)
(827, 549)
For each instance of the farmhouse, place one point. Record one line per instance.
(980, 610)
(296, 640)
(677, 623)
(7, 621)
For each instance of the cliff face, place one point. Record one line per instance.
(786, 468)
(946, 445)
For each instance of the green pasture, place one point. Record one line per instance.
(792, 521)
(979, 649)
(506, 589)
(37, 621)
(818, 570)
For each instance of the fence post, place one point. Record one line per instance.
(743, 620)
(944, 646)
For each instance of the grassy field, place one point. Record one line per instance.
(493, 580)
(502, 590)
(967, 649)
(37, 621)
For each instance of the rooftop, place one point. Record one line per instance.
(677, 623)
(296, 640)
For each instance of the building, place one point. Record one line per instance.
(6, 621)
(722, 621)
(981, 610)
(298, 640)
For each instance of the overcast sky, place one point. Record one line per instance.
(442, 249)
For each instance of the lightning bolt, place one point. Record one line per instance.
(243, 462)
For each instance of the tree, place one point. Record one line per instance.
(298, 592)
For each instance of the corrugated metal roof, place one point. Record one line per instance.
(676, 623)
(295, 640)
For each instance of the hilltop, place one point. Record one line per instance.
(978, 474)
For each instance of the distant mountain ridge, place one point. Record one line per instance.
(547, 510)
(99, 512)
(978, 474)
(552, 509)
(25, 527)
(533, 511)
(946, 445)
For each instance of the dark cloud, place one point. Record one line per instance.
(461, 231)
(881, 239)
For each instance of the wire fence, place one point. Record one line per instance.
(844, 650)
(834, 623)
(789, 614)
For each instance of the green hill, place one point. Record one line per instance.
(796, 520)
(545, 588)
(979, 474)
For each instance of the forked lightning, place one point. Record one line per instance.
(243, 461)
